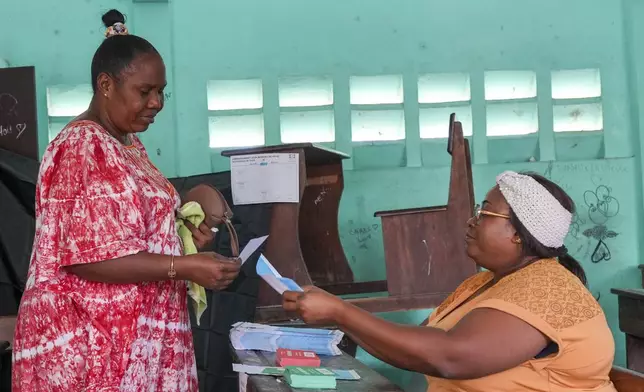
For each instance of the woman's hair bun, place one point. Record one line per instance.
(112, 17)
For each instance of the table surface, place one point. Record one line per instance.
(370, 380)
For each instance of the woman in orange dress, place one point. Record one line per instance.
(528, 323)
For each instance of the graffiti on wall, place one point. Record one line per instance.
(591, 220)
(601, 207)
(363, 235)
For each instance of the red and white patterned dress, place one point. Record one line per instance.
(99, 200)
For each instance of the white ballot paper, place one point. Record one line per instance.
(251, 247)
(265, 178)
(270, 275)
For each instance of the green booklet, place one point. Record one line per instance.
(310, 378)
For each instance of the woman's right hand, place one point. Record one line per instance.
(210, 270)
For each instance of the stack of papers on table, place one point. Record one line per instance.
(251, 336)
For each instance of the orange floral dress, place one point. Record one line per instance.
(551, 299)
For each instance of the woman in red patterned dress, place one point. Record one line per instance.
(105, 305)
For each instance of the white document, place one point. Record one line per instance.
(270, 275)
(265, 178)
(251, 247)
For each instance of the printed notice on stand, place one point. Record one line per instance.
(265, 178)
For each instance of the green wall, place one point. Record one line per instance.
(205, 40)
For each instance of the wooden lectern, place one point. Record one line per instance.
(424, 247)
(304, 242)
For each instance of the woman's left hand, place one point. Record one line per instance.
(202, 235)
(314, 306)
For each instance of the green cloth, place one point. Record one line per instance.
(193, 213)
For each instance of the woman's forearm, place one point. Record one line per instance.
(419, 349)
(382, 355)
(140, 267)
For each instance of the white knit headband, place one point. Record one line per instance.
(537, 209)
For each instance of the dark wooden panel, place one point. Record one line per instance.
(631, 311)
(318, 226)
(631, 322)
(18, 119)
(415, 246)
(376, 286)
(635, 353)
(629, 293)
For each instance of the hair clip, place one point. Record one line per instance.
(117, 28)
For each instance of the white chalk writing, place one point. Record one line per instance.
(603, 166)
(17, 130)
(8, 104)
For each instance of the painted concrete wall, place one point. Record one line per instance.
(203, 40)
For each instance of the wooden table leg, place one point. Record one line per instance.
(635, 353)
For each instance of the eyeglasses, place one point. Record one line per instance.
(478, 211)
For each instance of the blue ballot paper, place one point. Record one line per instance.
(270, 275)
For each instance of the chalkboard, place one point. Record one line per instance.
(18, 120)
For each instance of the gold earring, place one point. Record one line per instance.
(517, 241)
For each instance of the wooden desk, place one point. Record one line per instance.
(370, 380)
(631, 322)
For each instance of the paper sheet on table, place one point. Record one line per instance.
(270, 275)
(265, 178)
(339, 374)
(251, 247)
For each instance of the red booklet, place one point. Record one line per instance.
(287, 357)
